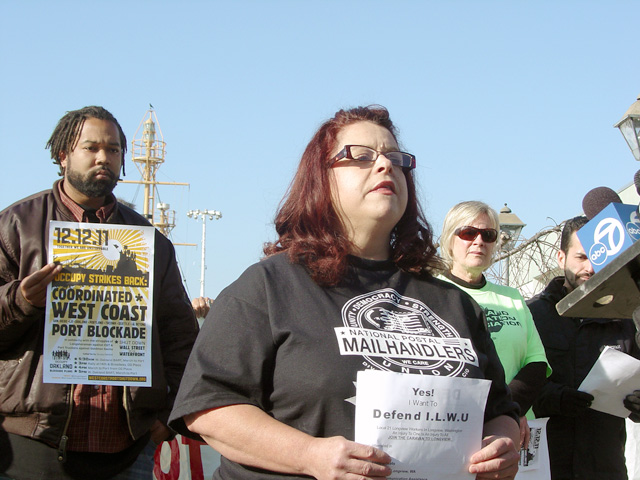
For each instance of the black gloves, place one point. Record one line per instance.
(574, 402)
(632, 402)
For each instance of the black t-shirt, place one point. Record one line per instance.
(277, 340)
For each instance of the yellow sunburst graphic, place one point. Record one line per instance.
(122, 244)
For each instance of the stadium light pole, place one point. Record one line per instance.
(203, 214)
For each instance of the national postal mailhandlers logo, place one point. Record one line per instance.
(401, 334)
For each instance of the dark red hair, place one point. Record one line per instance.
(309, 228)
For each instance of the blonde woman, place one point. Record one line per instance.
(469, 237)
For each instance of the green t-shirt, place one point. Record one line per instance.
(510, 325)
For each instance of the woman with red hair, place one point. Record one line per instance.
(270, 383)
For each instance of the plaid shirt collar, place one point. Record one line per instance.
(81, 214)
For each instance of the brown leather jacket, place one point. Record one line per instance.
(34, 409)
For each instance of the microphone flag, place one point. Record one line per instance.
(609, 233)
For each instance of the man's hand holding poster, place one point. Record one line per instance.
(98, 313)
(430, 425)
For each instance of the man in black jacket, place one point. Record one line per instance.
(59, 431)
(584, 444)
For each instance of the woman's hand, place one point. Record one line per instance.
(247, 435)
(338, 458)
(497, 459)
(499, 455)
(201, 306)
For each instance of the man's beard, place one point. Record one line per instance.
(92, 187)
(573, 280)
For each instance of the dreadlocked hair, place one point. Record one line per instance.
(67, 132)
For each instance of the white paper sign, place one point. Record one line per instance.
(534, 461)
(98, 314)
(614, 376)
(430, 425)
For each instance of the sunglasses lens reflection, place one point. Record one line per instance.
(468, 234)
(489, 235)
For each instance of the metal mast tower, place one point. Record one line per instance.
(148, 153)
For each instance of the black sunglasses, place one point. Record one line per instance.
(489, 235)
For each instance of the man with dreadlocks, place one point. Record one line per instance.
(58, 431)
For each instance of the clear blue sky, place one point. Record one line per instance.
(500, 101)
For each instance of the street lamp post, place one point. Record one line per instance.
(630, 128)
(510, 228)
(204, 214)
